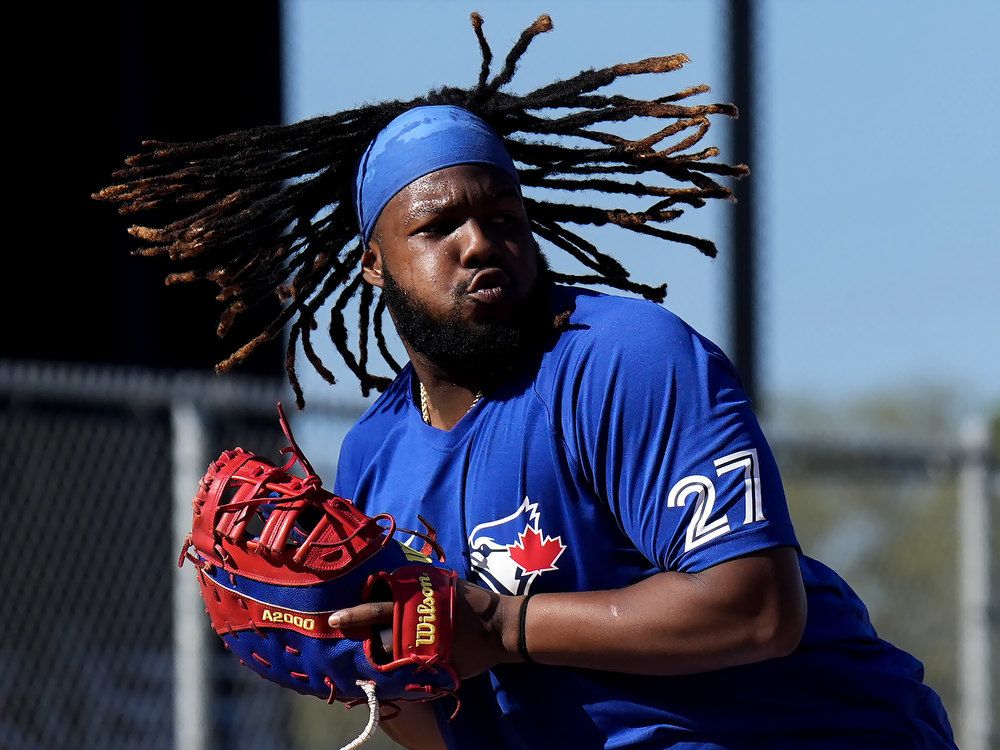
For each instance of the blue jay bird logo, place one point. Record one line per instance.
(509, 554)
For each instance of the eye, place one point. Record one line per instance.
(437, 228)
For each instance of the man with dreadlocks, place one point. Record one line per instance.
(591, 463)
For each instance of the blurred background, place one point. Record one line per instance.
(856, 288)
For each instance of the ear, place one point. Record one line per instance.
(371, 264)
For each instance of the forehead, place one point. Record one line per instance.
(452, 187)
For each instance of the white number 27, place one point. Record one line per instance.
(702, 527)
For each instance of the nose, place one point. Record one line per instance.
(479, 249)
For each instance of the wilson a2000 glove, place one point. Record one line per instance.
(276, 554)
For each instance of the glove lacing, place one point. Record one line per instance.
(373, 716)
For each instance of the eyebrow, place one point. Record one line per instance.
(430, 206)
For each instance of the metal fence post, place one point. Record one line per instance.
(974, 549)
(189, 439)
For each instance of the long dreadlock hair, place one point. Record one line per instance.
(269, 210)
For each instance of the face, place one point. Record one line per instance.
(458, 267)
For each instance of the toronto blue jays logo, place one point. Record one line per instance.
(509, 554)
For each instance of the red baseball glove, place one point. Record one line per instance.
(276, 554)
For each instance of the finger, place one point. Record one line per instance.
(363, 615)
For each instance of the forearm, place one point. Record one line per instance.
(415, 728)
(740, 611)
(672, 623)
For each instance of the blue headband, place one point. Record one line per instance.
(420, 141)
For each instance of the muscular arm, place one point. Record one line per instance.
(743, 610)
(740, 611)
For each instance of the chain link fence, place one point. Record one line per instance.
(98, 623)
(908, 525)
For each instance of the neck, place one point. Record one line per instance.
(449, 396)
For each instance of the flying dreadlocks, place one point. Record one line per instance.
(269, 209)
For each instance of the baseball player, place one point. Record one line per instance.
(606, 482)
(591, 464)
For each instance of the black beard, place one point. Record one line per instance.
(478, 350)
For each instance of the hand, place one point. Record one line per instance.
(485, 628)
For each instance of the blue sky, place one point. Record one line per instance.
(876, 171)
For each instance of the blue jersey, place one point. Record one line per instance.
(626, 448)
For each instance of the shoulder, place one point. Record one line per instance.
(600, 312)
(612, 336)
(390, 406)
(377, 422)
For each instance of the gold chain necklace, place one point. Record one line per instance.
(425, 411)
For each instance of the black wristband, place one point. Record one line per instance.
(522, 646)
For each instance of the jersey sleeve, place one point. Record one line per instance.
(665, 434)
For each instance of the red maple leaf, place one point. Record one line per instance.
(533, 554)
